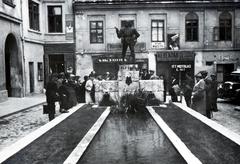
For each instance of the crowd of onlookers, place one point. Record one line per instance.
(200, 96)
(69, 90)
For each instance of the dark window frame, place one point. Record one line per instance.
(9, 3)
(225, 27)
(33, 15)
(40, 71)
(96, 35)
(191, 31)
(54, 20)
(127, 20)
(158, 28)
(191, 28)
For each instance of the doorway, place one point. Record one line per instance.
(178, 69)
(31, 76)
(13, 68)
(224, 71)
(56, 64)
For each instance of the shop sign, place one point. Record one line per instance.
(181, 67)
(175, 56)
(158, 45)
(110, 60)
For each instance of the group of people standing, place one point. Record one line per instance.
(68, 90)
(201, 96)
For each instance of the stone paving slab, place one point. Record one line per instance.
(14, 104)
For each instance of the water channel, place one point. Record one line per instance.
(131, 139)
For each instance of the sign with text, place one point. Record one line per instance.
(175, 56)
(158, 45)
(110, 60)
(181, 67)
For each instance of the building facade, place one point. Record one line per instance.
(176, 37)
(42, 37)
(36, 41)
(48, 40)
(11, 58)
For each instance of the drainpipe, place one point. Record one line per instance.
(23, 52)
(74, 36)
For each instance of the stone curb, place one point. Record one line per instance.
(23, 109)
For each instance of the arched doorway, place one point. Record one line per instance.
(13, 67)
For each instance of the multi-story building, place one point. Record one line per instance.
(48, 40)
(11, 58)
(36, 41)
(41, 37)
(176, 37)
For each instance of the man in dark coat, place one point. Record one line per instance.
(83, 90)
(128, 37)
(52, 96)
(187, 89)
(172, 92)
(63, 95)
(214, 93)
(211, 91)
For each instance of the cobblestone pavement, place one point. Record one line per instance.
(227, 116)
(16, 126)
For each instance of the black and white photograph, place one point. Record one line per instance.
(119, 81)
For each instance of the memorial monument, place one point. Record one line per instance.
(128, 36)
(128, 81)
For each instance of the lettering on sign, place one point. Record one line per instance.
(175, 56)
(181, 67)
(110, 60)
(158, 45)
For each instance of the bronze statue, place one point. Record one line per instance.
(128, 37)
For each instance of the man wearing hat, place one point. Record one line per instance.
(211, 91)
(214, 92)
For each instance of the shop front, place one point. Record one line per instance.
(110, 63)
(58, 58)
(175, 63)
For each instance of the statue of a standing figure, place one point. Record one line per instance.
(128, 36)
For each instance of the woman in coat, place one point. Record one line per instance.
(199, 94)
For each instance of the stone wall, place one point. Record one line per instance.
(117, 88)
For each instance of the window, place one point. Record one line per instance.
(191, 27)
(96, 31)
(209, 63)
(55, 19)
(9, 2)
(225, 26)
(33, 15)
(123, 22)
(216, 33)
(40, 71)
(157, 27)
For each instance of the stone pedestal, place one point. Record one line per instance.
(118, 88)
